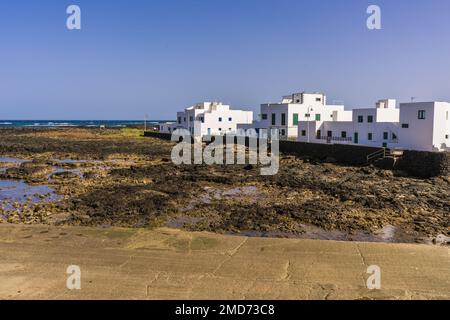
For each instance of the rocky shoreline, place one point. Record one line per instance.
(117, 178)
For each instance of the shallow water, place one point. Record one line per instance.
(20, 192)
(12, 160)
(77, 161)
(58, 170)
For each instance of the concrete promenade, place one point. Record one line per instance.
(172, 264)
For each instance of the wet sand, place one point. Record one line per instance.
(115, 178)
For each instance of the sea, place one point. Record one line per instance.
(77, 123)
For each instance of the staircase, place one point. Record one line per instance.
(384, 153)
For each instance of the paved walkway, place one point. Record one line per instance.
(172, 264)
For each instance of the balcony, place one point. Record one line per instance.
(338, 139)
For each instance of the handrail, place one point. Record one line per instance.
(378, 154)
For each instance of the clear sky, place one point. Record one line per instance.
(133, 57)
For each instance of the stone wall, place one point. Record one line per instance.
(341, 153)
(425, 164)
(160, 135)
(416, 163)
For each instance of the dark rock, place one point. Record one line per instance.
(387, 163)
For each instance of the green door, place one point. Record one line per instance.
(295, 122)
(355, 137)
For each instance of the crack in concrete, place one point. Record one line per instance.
(151, 282)
(361, 255)
(286, 271)
(363, 260)
(230, 254)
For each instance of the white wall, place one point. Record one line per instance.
(212, 118)
(326, 112)
(441, 127)
(419, 134)
(345, 124)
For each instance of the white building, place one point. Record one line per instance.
(167, 127)
(286, 115)
(423, 126)
(209, 118)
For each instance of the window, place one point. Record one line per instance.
(360, 119)
(344, 134)
(191, 118)
(297, 101)
(229, 129)
(318, 134)
(283, 119)
(184, 119)
(394, 136)
(307, 115)
(318, 99)
(446, 137)
(405, 125)
(369, 136)
(303, 133)
(283, 132)
(264, 116)
(369, 119)
(421, 114)
(385, 135)
(230, 119)
(202, 119)
(220, 129)
(179, 120)
(329, 134)
(220, 119)
(295, 122)
(274, 117)
(317, 116)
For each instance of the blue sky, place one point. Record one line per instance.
(134, 57)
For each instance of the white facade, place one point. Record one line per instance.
(425, 126)
(293, 109)
(209, 118)
(167, 127)
(377, 127)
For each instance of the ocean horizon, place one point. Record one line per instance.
(76, 123)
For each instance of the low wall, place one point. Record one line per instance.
(425, 164)
(160, 135)
(342, 153)
(416, 163)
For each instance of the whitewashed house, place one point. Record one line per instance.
(377, 127)
(425, 126)
(209, 118)
(286, 115)
(167, 127)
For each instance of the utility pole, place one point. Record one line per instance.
(145, 122)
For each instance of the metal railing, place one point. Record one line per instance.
(329, 139)
(382, 153)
